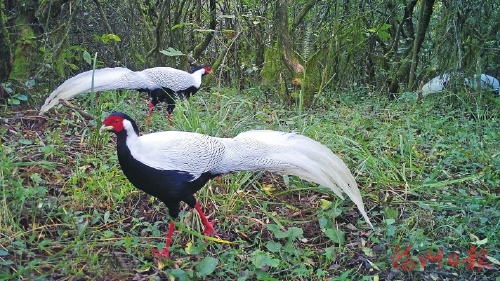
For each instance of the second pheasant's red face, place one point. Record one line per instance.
(113, 123)
(208, 70)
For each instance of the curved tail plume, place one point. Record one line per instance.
(291, 154)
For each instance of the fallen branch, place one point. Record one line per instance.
(81, 111)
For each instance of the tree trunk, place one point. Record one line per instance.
(24, 51)
(305, 9)
(423, 24)
(213, 24)
(159, 33)
(5, 53)
(404, 31)
(283, 32)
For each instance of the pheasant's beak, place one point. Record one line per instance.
(106, 128)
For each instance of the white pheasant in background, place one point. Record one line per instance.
(173, 166)
(439, 83)
(163, 84)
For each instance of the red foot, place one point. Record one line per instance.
(209, 229)
(169, 116)
(209, 225)
(165, 253)
(150, 111)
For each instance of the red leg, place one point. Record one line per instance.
(169, 116)
(165, 253)
(150, 111)
(209, 228)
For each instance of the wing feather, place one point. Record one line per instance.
(190, 152)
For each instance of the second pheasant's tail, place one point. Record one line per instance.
(104, 79)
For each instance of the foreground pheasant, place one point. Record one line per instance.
(174, 165)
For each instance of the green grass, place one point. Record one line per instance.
(428, 170)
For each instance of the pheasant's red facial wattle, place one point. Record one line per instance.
(114, 121)
(208, 70)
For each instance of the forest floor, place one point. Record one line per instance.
(429, 172)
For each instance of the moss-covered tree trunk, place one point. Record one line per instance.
(5, 53)
(393, 62)
(281, 55)
(284, 69)
(24, 51)
(23, 42)
(200, 48)
(284, 39)
(423, 23)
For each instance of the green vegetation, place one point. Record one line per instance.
(428, 171)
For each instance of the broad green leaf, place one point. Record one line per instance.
(325, 204)
(193, 250)
(368, 251)
(107, 37)
(385, 26)
(337, 236)
(260, 259)
(171, 52)
(383, 35)
(272, 227)
(14, 101)
(295, 232)
(87, 57)
(30, 83)
(206, 266)
(106, 217)
(273, 246)
(323, 222)
(391, 230)
(286, 179)
(280, 234)
(330, 253)
(22, 97)
(178, 274)
(391, 213)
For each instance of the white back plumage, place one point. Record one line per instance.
(283, 153)
(485, 81)
(106, 79)
(437, 84)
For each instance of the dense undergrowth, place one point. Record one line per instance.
(428, 170)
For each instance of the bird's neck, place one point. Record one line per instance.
(127, 138)
(197, 77)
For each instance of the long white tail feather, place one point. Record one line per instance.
(82, 83)
(291, 154)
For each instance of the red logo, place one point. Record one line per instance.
(404, 260)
